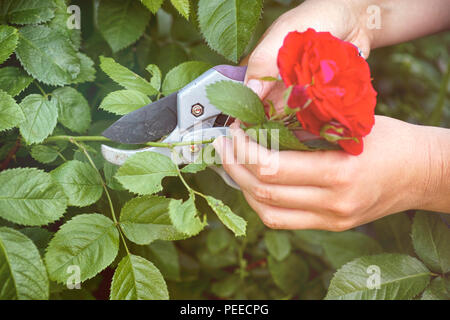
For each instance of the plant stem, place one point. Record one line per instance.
(113, 214)
(104, 139)
(75, 138)
(40, 88)
(10, 155)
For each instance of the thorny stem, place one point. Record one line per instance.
(104, 139)
(113, 214)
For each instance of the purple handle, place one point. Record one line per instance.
(234, 73)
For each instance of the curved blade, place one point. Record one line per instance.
(149, 123)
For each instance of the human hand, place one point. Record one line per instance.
(343, 19)
(332, 190)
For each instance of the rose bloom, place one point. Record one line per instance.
(331, 87)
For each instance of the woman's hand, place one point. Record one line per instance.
(344, 19)
(349, 20)
(403, 167)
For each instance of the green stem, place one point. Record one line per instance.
(104, 139)
(184, 181)
(113, 214)
(40, 88)
(436, 115)
(243, 273)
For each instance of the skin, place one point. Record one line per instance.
(403, 166)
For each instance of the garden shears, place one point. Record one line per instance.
(183, 116)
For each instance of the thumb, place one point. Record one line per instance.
(263, 63)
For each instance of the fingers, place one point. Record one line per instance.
(305, 198)
(282, 218)
(320, 168)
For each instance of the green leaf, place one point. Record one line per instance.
(124, 101)
(218, 239)
(62, 21)
(232, 221)
(10, 113)
(40, 237)
(310, 241)
(164, 255)
(146, 219)
(110, 171)
(183, 74)
(439, 289)
(156, 75)
(343, 247)
(22, 272)
(138, 279)
(143, 172)
(245, 104)
(278, 244)
(125, 77)
(14, 80)
(80, 182)
(73, 109)
(182, 7)
(227, 25)
(184, 216)
(27, 11)
(401, 277)
(394, 233)
(89, 241)
(194, 167)
(40, 118)
(44, 154)
(431, 237)
(153, 5)
(47, 55)
(8, 42)
(226, 287)
(281, 135)
(30, 197)
(87, 70)
(290, 275)
(122, 22)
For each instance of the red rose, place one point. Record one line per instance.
(331, 87)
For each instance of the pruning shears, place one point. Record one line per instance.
(183, 116)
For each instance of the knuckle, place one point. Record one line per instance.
(262, 193)
(263, 175)
(270, 221)
(342, 172)
(344, 208)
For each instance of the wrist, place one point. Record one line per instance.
(433, 169)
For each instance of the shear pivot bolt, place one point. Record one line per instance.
(197, 110)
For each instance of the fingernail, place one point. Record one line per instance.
(256, 86)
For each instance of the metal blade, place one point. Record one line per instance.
(149, 123)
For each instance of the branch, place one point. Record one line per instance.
(10, 155)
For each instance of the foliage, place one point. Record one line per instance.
(151, 230)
